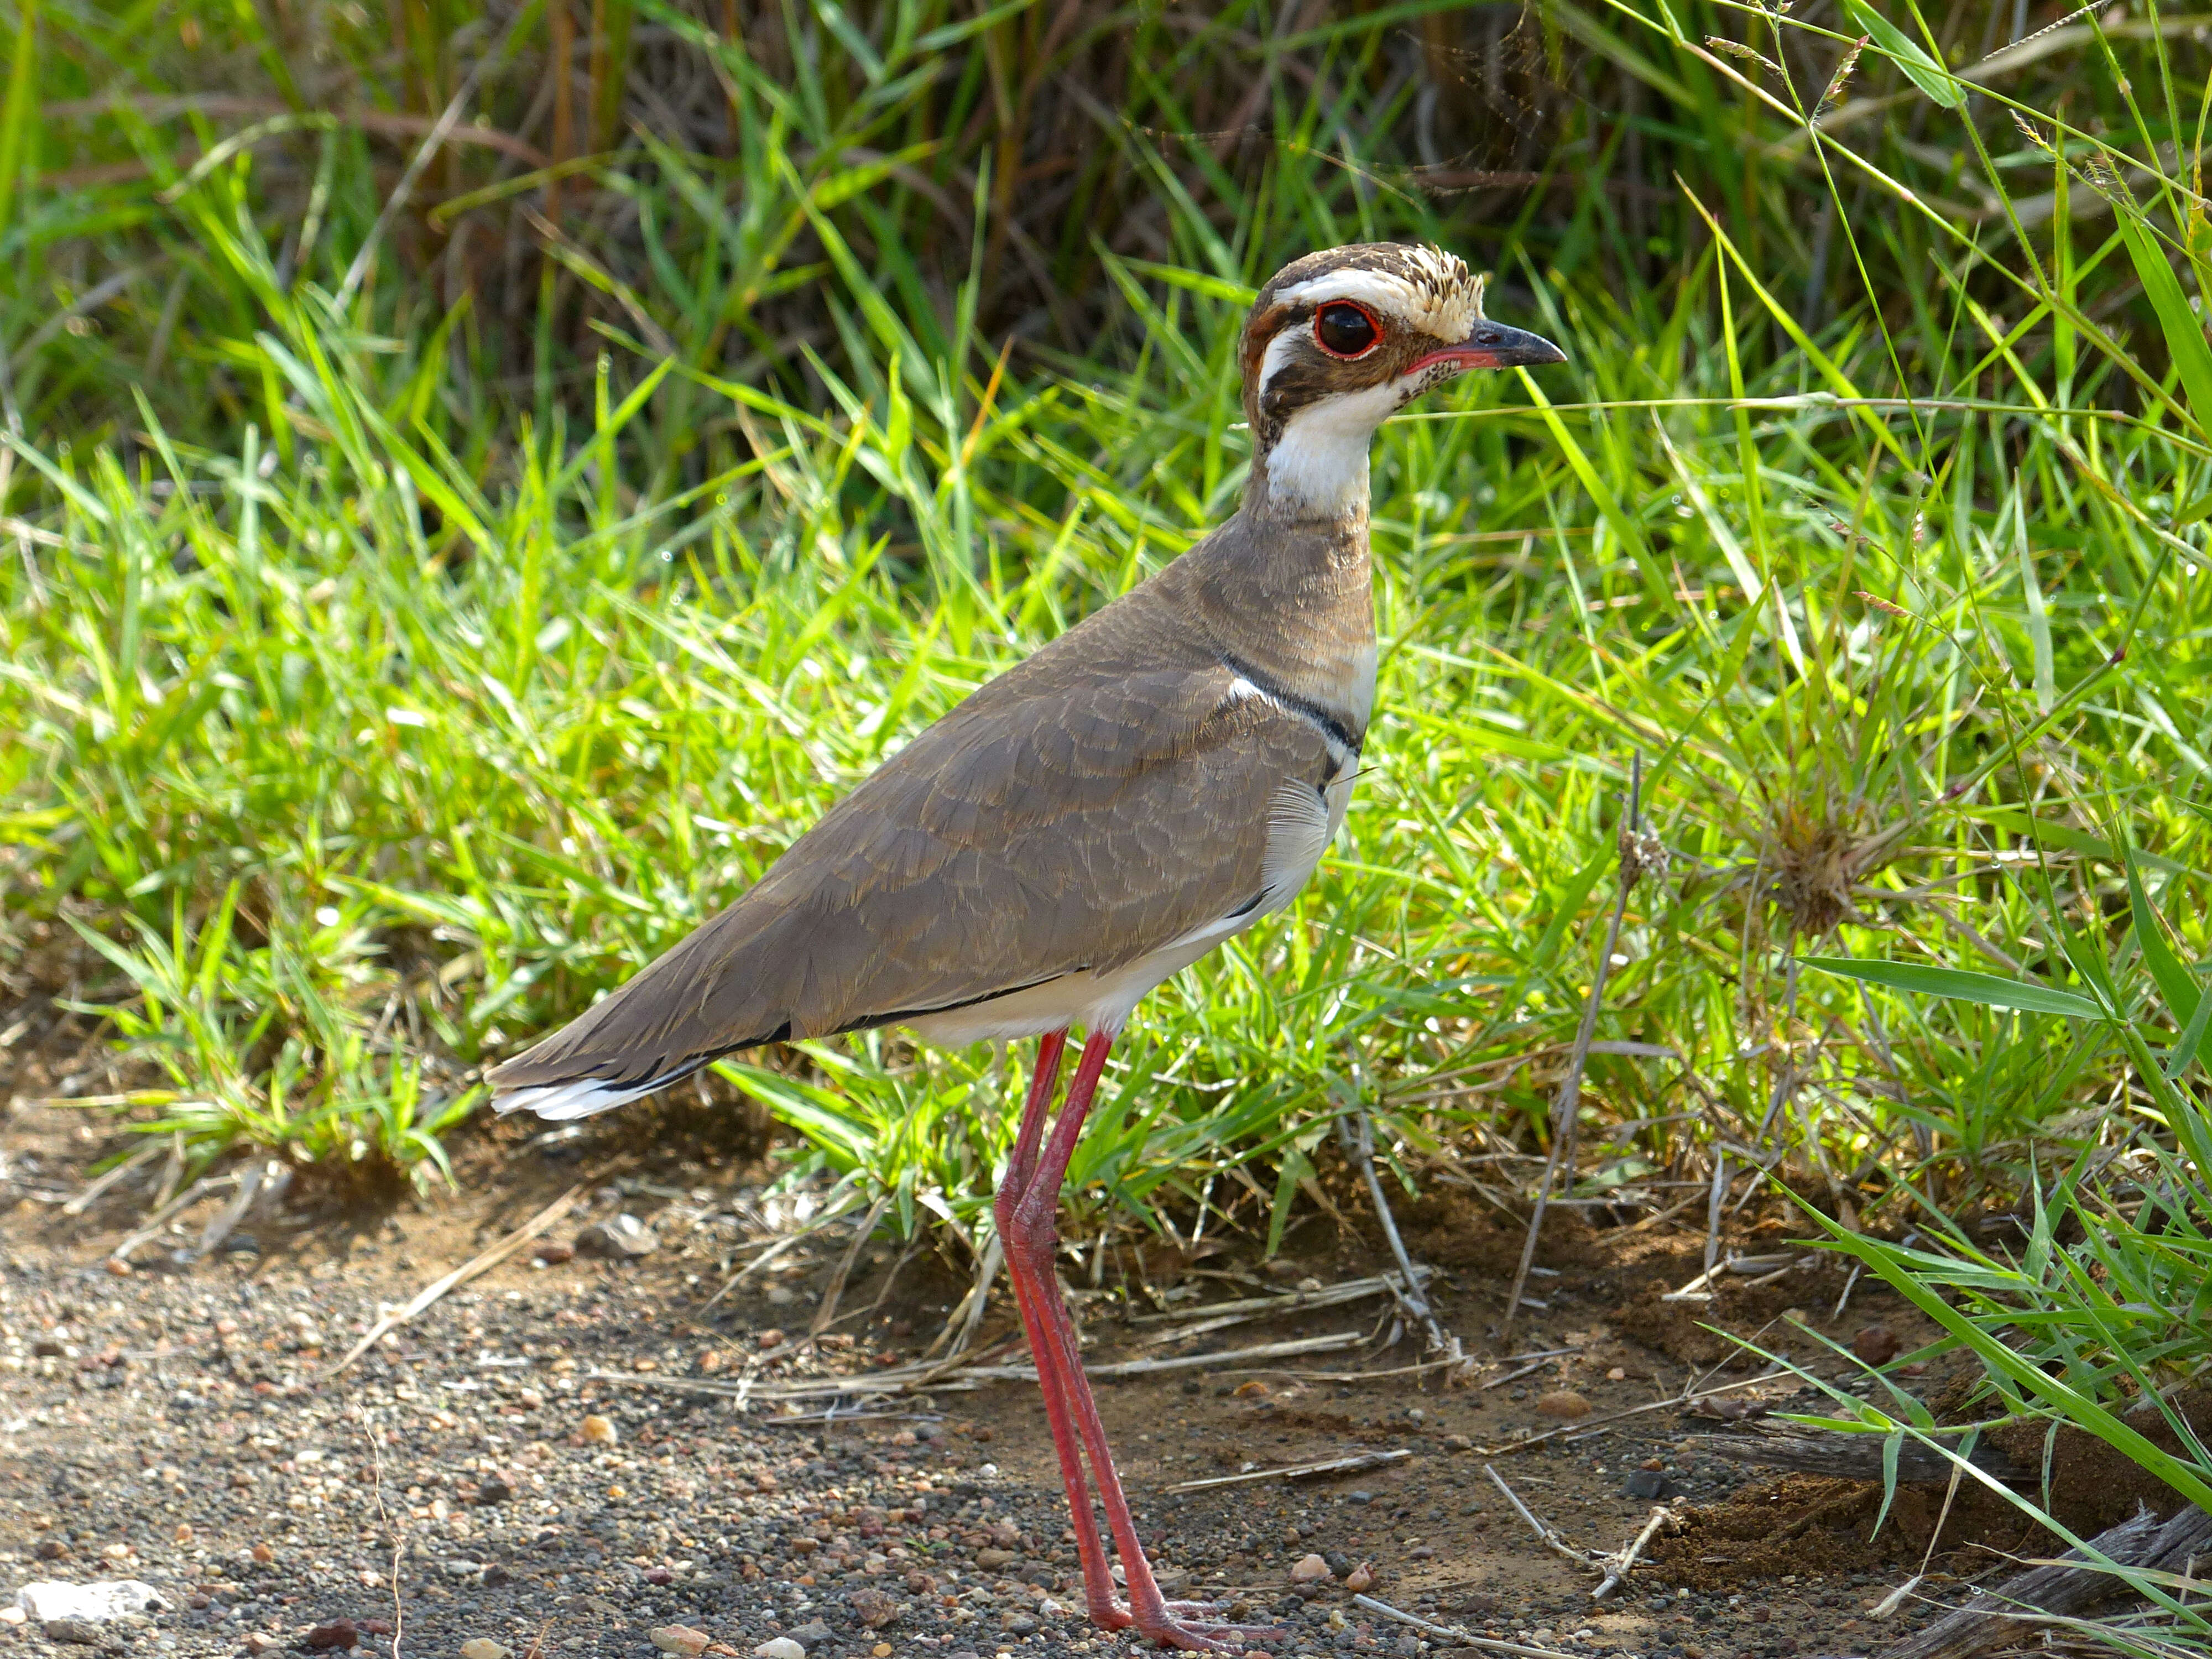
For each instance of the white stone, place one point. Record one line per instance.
(779, 1647)
(96, 1603)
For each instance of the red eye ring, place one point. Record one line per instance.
(1374, 329)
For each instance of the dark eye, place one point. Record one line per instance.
(1345, 330)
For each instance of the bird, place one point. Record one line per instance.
(1156, 779)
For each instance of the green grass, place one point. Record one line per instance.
(389, 665)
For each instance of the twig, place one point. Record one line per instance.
(1350, 1465)
(260, 1182)
(151, 1227)
(1650, 1221)
(1196, 1321)
(1550, 1539)
(836, 1290)
(1418, 1369)
(968, 1317)
(2074, 1580)
(1335, 1343)
(1638, 853)
(398, 1530)
(1843, 1300)
(460, 1275)
(1674, 1403)
(834, 1418)
(1616, 1575)
(1771, 1266)
(1362, 1148)
(1514, 1375)
(1713, 1209)
(1487, 1643)
(950, 1373)
(84, 1199)
(1890, 1602)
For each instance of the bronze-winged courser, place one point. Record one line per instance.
(1156, 779)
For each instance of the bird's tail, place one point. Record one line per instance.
(570, 1098)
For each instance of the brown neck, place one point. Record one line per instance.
(1294, 600)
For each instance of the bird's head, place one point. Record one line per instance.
(1340, 340)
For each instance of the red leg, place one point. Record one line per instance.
(1032, 1235)
(1044, 1083)
(1052, 1371)
(1052, 1379)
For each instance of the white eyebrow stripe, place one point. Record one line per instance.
(1450, 317)
(1279, 352)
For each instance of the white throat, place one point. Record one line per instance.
(1320, 463)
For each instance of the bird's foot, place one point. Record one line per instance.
(1187, 1626)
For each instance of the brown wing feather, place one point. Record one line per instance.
(1102, 797)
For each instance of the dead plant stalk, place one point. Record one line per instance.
(1638, 853)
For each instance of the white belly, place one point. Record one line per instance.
(1301, 823)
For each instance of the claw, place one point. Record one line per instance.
(1209, 1638)
(1199, 1635)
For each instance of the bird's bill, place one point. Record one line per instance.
(1494, 345)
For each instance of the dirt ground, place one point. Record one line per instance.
(177, 1425)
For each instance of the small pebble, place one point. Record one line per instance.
(874, 1608)
(483, 1647)
(1360, 1578)
(1563, 1403)
(264, 1554)
(600, 1431)
(79, 1633)
(552, 1252)
(1877, 1345)
(781, 1647)
(680, 1639)
(1309, 1570)
(338, 1633)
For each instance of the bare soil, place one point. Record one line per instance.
(177, 1425)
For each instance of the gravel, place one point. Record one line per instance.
(182, 1434)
